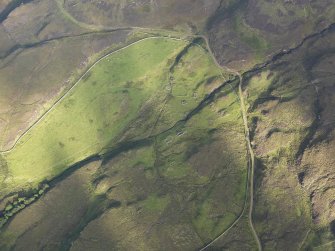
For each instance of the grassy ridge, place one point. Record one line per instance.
(94, 113)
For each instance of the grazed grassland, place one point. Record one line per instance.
(93, 113)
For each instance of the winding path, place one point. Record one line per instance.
(250, 176)
(252, 162)
(251, 167)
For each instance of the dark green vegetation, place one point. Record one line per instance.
(245, 32)
(120, 131)
(290, 112)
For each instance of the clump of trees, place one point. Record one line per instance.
(23, 199)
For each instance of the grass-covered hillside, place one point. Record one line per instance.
(167, 125)
(142, 102)
(93, 113)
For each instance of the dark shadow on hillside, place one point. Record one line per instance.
(297, 103)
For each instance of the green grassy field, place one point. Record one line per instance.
(94, 113)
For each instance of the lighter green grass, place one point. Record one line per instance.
(94, 113)
(155, 203)
(207, 224)
(258, 85)
(195, 76)
(250, 36)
